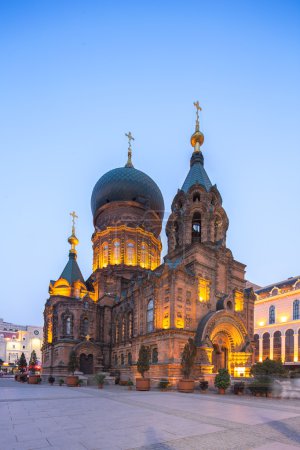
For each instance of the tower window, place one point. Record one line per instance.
(196, 197)
(85, 326)
(196, 228)
(144, 255)
(116, 252)
(104, 254)
(130, 254)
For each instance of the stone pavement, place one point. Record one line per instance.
(61, 418)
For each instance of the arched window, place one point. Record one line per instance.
(130, 325)
(150, 316)
(144, 255)
(123, 330)
(85, 326)
(196, 227)
(296, 315)
(104, 254)
(289, 346)
(277, 346)
(266, 346)
(272, 314)
(68, 326)
(117, 331)
(256, 347)
(196, 197)
(117, 251)
(122, 359)
(129, 359)
(155, 356)
(130, 254)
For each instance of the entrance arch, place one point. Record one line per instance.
(86, 364)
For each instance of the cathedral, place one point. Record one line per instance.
(133, 298)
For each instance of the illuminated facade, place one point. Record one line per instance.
(18, 339)
(134, 298)
(277, 322)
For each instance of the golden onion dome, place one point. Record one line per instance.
(73, 241)
(197, 137)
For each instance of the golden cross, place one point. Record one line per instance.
(73, 214)
(198, 108)
(130, 138)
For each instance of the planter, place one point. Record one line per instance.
(186, 386)
(221, 391)
(142, 384)
(100, 386)
(33, 379)
(72, 380)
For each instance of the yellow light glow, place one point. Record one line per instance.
(166, 323)
(261, 324)
(203, 290)
(239, 371)
(179, 323)
(260, 359)
(283, 319)
(238, 301)
(295, 358)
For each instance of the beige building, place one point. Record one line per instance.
(15, 339)
(277, 322)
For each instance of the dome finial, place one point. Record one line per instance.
(130, 138)
(73, 241)
(197, 138)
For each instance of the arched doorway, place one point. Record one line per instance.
(86, 363)
(221, 347)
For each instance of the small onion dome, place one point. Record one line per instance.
(73, 241)
(197, 137)
(127, 184)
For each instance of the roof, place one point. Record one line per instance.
(72, 272)
(197, 174)
(127, 184)
(288, 282)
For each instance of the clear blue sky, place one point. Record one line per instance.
(76, 75)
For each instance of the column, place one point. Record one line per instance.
(283, 346)
(260, 349)
(295, 347)
(271, 347)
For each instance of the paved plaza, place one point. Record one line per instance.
(53, 417)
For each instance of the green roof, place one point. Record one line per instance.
(72, 272)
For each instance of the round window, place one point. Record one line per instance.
(36, 332)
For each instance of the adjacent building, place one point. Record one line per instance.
(277, 322)
(133, 298)
(17, 339)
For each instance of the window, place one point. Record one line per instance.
(117, 331)
(116, 252)
(272, 314)
(129, 358)
(85, 326)
(196, 228)
(130, 254)
(196, 197)
(155, 356)
(24, 347)
(68, 326)
(122, 359)
(144, 255)
(123, 330)
(130, 325)
(296, 315)
(150, 316)
(104, 255)
(277, 346)
(289, 346)
(266, 346)
(115, 360)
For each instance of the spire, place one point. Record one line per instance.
(73, 241)
(197, 138)
(130, 138)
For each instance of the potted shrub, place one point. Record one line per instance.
(164, 384)
(222, 380)
(129, 384)
(100, 377)
(72, 366)
(32, 378)
(238, 388)
(79, 383)
(51, 380)
(187, 362)
(22, 366)
(203, 385)
(143, 365)
(61, 382)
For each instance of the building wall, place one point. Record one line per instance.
(15, 339)
(282, 298)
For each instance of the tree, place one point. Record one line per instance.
(33, 361)
(22, 363)
(143, 363)
(73, 363)
(188, 358)
(267, 367)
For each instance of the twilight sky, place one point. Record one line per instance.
(76, 75)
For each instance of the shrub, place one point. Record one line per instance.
(203, 385)
(268, 367)
(100, 377)
(143, 363)
(129, 382)
(33, 361)
(61, 381)
(51, 379)
(188, 358)
(222, 380)
(22, 363)
(73, 363)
